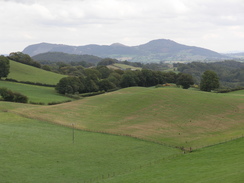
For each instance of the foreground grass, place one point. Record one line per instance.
(22, 72)
(35, 93)
(221, 163)
(34, 151)
(177, 117)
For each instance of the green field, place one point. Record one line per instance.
(221, 163)
(126, 136)
(22, 72)
(171, 116)
(123, 67)
(37, 94)
(35, 151)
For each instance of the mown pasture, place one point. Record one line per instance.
(22, 72)
(36, 151)
(221, 163)
(124, 66)
(36, 94)
(171, 116)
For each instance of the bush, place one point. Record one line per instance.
(37, 103)
(92, 94)
(18, 97)
(227, 90)
(55, 103)
(10, 96)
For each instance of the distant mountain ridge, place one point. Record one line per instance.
(153, 51)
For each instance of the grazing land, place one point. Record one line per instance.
(36, 94)
(22, 72)
(171, 116)
(220, 163)
(36, 151)
(124, 67)
(131, 135)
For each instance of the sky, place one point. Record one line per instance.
(213, 24)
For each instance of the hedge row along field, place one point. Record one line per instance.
(35, 94)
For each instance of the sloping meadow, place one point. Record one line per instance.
(170, 116)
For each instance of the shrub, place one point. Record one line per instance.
(10, 96)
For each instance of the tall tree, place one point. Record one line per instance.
(209, 81)
(4, 66)
(23, 58)
(69, 85)
(185, 80)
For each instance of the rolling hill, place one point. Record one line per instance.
(153, 51)
(22, 72)
(125, 136)
(52, 57)
(170, 116)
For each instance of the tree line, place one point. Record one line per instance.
(10, 96)
(101, 78)
(230, 73)
(4, 66)
(24, 59)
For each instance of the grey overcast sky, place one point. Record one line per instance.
(213, 24)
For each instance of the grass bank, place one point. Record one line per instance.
(171, 116)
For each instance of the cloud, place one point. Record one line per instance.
(203, 23)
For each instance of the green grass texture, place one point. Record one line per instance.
(221, 163)
(37, 94)
(35, 151)
(22, 72)
(171, 116)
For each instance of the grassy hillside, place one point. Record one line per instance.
(123, 67)
(37, 94)
(171, 116)
(34, 151)
(22, 72)
(221, 163)
(37, 151)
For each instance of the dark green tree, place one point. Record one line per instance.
(115, 78)
(69, 85)
(209, 81)
(105, 72)
(91, 85)
(129, 79)
(185, 80)
(23, 58)
(4, 66)
(107, 61)
(8, 95)
(106, 85)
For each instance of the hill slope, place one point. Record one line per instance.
(153, 51)
(22, 72)
(166, 115)
(65, 57)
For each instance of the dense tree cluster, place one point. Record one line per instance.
(101, 78)
(107, 61)
(24, 59)
(8, 95)
(55, 57)
(185, 80)
(230, 73)
(209, 81)
(4, 66)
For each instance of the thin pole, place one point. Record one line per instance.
(73, 133)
